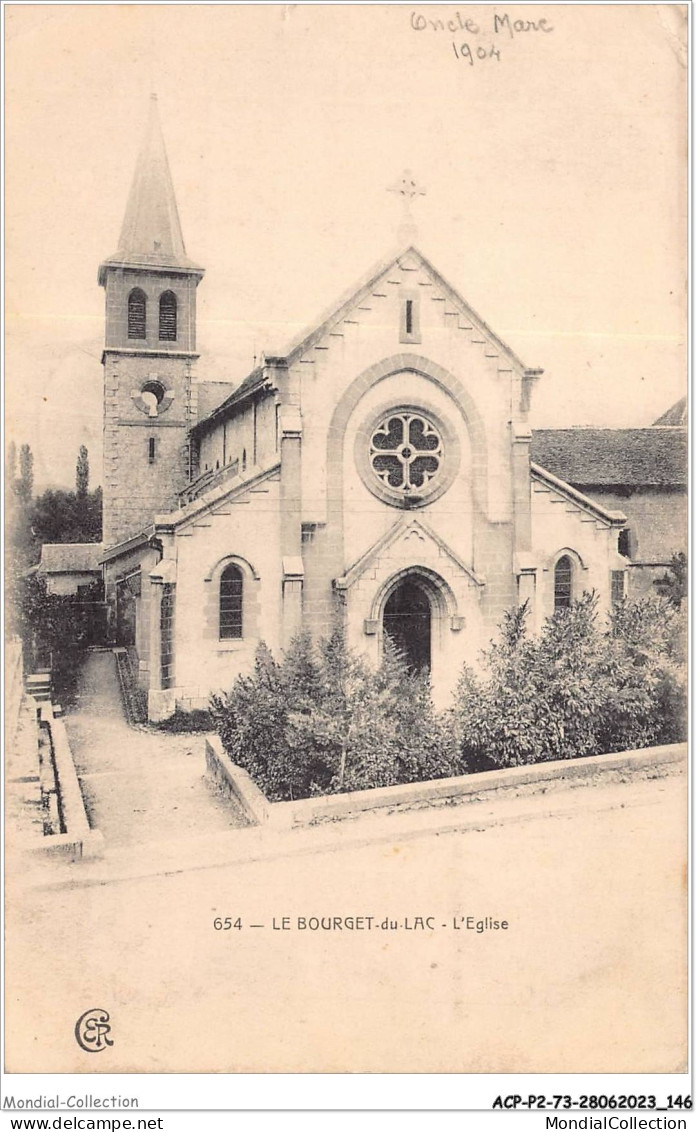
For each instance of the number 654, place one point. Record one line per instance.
(227, 924)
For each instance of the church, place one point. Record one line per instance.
(377, 475)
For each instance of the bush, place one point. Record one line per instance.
(195, 722)
(576, 688)
(648, 703)
(55, 631)
(323, 721)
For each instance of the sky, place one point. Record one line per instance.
(554, 160)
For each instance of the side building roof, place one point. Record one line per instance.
(255, 380)
(614, 457)
(71, 558)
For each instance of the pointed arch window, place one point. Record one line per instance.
(137, 313)
(231, 603)
(167, 317)
(563, 583)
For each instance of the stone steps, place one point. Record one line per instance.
(38, 685)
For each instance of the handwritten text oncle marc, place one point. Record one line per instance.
(499, 26)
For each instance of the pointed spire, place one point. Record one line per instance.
(151, 232)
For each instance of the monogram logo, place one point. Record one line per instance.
(92, 1030)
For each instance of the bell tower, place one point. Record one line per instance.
(149, 350)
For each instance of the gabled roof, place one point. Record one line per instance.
(677, 415)
(70, 558)
(338, 311)
(613, 457)
(151, 232)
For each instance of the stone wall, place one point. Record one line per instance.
(657, 519)
(248, 438)
(243, 529)
(138, 482)
(135, 564)
(136, 486)
(561, 527)
(66, 585)
(467, 789)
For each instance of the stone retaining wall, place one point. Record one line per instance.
(240, 786)
(441, 791)
(76, 839)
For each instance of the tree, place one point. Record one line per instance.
(11, 466)
(63, 516)
(25, 483)
(82, 473)
(19, 535)
(674, 584)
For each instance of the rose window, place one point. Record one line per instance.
(405, 452)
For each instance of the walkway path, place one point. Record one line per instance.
(138, 785)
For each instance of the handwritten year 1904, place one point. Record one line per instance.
(478, 52)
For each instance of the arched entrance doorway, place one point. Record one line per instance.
(407, 623)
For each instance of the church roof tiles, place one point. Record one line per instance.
(614, 457)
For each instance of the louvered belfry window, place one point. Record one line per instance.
(167, 317)
(137, 307)
(231, 603)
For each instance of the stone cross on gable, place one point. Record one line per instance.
(407, 187)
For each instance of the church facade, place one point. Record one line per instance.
(377, 475)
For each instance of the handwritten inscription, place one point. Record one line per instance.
(499, 25)
(514, 27)
(468, 53)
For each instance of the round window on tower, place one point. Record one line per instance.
(152, 394)
(407, 456)
(152, 398)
